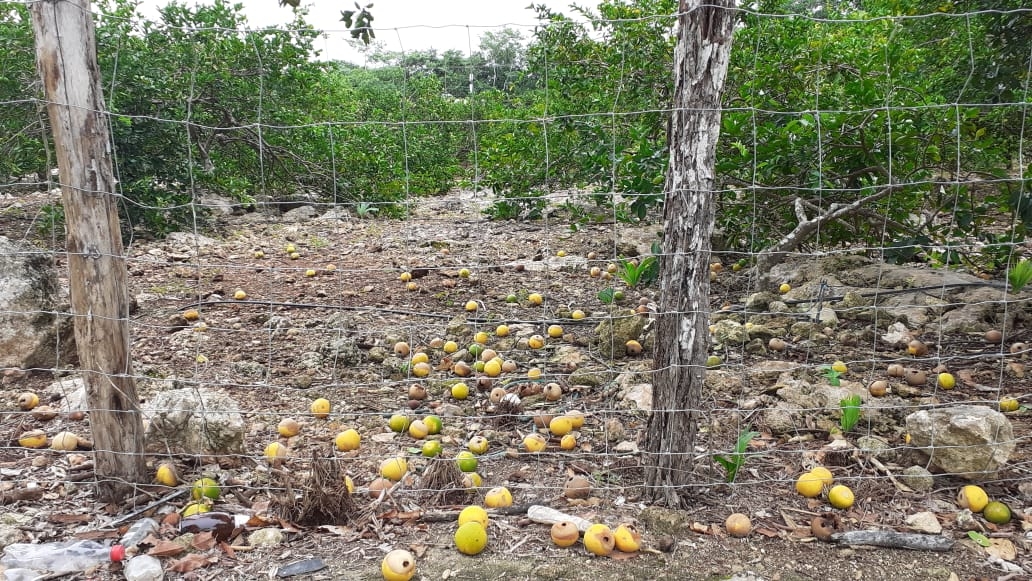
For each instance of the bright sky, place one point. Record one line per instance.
(400, 24)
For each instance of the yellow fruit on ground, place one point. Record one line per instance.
(473, 513)
(411, 286)
(493, 368)
(310, 272)
(348, 440)
(472, 480)
(418, 429)
(839, 367)
(405, 277)
(972, 497)
(599, 540)
(560, 426)
(784, 288)
(536, 342)
(997, 512)
(195, 508)
(349, 484)
(577, 315)
(394, 468)
(738, 525)
(947, 381)
(66, 441)
(191, 314)
(478, 444)
(398, 565)
(498, 497)
(568, 442)
(420, 358)
(27, 401)
(166, 475)
(577, 418)
(481, 337)
(466, 461)
(533, 373)
(33, 439)
(502, 330)
(825, 475)
(555, 331)
(471, 538)
(714, 361)
(259, 254)
(450, 347)
(421, 369)
(471, 306)
(275, 453)
(464, 273)
(535, 442)
(840, 496)
(399, 422)
(239, 294)
(205, 488)
(288, 427)
(1009, 404)
(433, 424)
(535, 299)
(460, 391)
(626, 538)
(633, 347)
(431, 448)
(810, 485)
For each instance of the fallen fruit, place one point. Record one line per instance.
(810, 485)
(535, 298)
(493, 368)
(191, 314)
(418, 429)
(450, 347)
(895, 370)
(840, 496)
(839, 367)
(66, 441)
(535, 442)
(421, 369)
(398, 565)
(471, 306)
(568, 442)
(166, 475)
(997, 513)
(738, 525)
(714, 361)
(533, 373)
(536, 342)
(399, 423)
(433, 424)
(946, 380)
(784, 288)
(560, 426)
(431, 448)
(993, 336)
(577, 487)
(288, 428)
(27, 401)
(310, 272)
(466, 461)
(633, 347)
(405, 277)
(195, 508)
(480, 338)
(1009, 404)
(502, 330)
(402, 349)
(917, 348)
(478, 444)
(394, 468)
(239, 294)
(473, 513)
(878, 388)
(471, 538)
(915, 377)
(205, 488)
(599, 540)
(626, 538)
(498, 497)
(555, 331)
(972, 497)
(460, 391)
(577, 315)
(464, 273)
(564, 533)
(553, 392)
(379, 486)
(348, 440)
(420, 358)
(44, 413)
(33, 439)
(417, 392)
(275, 453)
(776, 344)
(824, 474)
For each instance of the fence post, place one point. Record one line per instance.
(66, 56)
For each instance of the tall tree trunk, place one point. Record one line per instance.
(66, 55)
(700, 65)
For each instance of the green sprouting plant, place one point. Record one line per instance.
(606, 295)
(850, 412)
(638, 273)
(365, 210)
(831, 375)
(1020, 274)
(734, 461)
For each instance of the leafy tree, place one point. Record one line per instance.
(22, 119)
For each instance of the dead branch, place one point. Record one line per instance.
(894, 540)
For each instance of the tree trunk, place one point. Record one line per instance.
(682, 336)
(67, 59)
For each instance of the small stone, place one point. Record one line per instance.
(924, 522)
(918, 478)
(269, 537)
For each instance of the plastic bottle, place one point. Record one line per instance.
(61, 557)
(139, 531)
(143, 568)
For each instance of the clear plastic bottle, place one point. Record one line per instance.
(144, 568)
(139, 531)
(61, 557)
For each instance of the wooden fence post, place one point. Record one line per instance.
(66, 56)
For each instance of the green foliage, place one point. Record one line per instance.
(1019, 275)
(831, 375)
(637, 273)
(606, 295)
(734, 461)
(850, 408)
(22, 127)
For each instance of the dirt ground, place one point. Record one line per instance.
(332, 335)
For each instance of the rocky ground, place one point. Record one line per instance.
(307, 331)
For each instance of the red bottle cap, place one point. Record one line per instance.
(117, 553)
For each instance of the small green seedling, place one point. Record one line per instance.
(733, 462)
(850, 412)
(639, 273)
(1020, 275)
(606, 295)
(831, 375)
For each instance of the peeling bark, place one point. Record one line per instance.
(700, 61)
